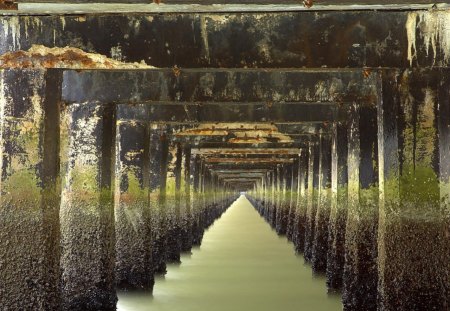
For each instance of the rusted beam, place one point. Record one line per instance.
(244, 160)
(8, 5)
(245, 151)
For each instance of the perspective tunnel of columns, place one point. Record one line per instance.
(333, 119)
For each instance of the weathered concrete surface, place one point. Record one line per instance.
(360, 269)
(292, 201)
(87, 211)
(173, 200)
(158, 175)
(312, 199)
(302, 201)
(247, 40)
(338, 213)
(413, 248)
(134, 266)
(30, 190)
(187, 199)
(322, 216)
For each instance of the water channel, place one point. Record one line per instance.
(242, 265)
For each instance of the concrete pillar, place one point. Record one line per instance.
(197, 231)
(312, 195)
(173, 201)
(360, 273)
(414, 234)
(30, 189)
(292, 201)
(134, 267)
(302, 202)
(285, 199)
(87, 209)
(320, 245)
(158, 173)
(338, 213)
(187, 220)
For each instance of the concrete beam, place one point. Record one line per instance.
(355, 38)
(239, 86)
(338, 213)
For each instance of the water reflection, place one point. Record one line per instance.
(241, 265)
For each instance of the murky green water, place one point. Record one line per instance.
(241, 265)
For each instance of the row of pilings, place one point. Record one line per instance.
(367, 203)
(91, 201)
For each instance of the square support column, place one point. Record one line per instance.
(302, 202)
(312, 195)
(158, 175)
(360, 272)
(134, 266)
(338, 213)
(320, 246)
(30, 189)
(87, 209)
(414, 234)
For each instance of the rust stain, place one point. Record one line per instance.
(8, 5)
(308, 3)
(367, 72)
(176, 70)
(39, 56)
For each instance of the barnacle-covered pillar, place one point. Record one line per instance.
(196, 170)
(87, 211)
(414, 228)
(173, 201)
(302, 201)
(158, 174)
(30, 189)
(292, 201)
(285, 199)
(187, 219)
(338, 213)
(320, 245)
(312, 198)
(360, 273)
(132, 204)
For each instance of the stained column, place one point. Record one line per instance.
(158, 174)
(292, 201)
(312, 198)
(30, 189)
(285, 199)
(187, 219)
(360, 273)
(338, 213)
(302, 202)
(320, 246)
(132, 205)
(87, 211)
(414, 234)
(173, 201)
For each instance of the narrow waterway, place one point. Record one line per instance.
(242, 265)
